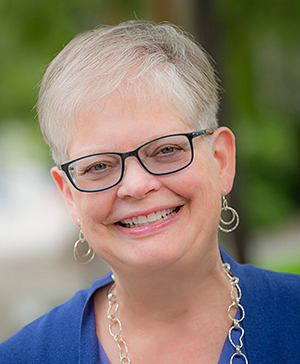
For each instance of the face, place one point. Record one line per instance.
(176, 216)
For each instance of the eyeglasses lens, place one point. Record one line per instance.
(166, 155)
(96, 172)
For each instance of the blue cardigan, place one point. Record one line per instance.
(67, 334)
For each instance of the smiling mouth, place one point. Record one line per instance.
(154, 217)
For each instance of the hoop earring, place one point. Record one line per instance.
(89, 254)
(235, 217)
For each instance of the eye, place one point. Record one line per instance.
(168, 149)
(96, 167)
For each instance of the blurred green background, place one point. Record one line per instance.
(257, 51)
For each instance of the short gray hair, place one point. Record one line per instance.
(127, 57)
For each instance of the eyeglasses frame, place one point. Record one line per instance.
(134, 153)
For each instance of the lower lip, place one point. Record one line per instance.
(151, 228)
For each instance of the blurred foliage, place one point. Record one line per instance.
(287, 268)
(259, 57)
(260, 54)
(33, 31)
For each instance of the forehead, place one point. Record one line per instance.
(123, 123)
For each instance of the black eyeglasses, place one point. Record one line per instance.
(161, 156)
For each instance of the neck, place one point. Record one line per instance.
(173, 292)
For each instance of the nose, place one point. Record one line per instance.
(136, 181)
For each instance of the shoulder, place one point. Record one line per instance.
(53, 336)
(265, 290)
(274, 280)
(270, 297)
(262, 281)
(271, 301)
(272, 318)
(262, 284)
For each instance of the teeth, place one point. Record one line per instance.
(152, 217)
(142, 219)
(157, 216)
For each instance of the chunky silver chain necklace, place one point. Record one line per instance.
(121, 344)
(234, 281)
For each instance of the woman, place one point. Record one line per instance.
(130, 115)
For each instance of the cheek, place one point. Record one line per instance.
(202, 188)
(94, 208)
(199, 180)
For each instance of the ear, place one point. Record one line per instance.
(223, 147)
(66, 190)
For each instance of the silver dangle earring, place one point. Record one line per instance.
(235, 220)
(83, 258)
